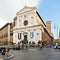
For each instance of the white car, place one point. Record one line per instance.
(57, 47)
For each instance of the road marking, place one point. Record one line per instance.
(11, 56)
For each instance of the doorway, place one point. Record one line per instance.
(25, 37)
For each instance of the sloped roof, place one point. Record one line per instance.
(4, 26)
(40, 18)
(31, 8)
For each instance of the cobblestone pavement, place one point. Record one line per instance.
(35, 54)
(1, 57)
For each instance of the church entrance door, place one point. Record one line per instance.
(25, 37)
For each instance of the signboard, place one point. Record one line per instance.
(19, 36)
(31, 34)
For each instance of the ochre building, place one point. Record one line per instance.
(6, 33)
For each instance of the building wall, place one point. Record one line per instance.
(36, 36)
(4, 33)
(46, 37)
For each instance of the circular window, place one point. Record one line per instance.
(25, 22)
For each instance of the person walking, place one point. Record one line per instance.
(26, 46)
(23, 46)
(41, 46)
(7, 49)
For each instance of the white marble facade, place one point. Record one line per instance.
(27, 26)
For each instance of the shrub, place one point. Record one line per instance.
(39, 42)
(33, 42)
(24, 41)
(18, 42)
(29, 42)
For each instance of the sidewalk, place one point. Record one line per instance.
(1, 58)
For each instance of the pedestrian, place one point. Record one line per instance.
(23, 46)
(38, 45)
(26, 45)
(41, 46)
(7, 49)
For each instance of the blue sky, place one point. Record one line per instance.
(50, 10)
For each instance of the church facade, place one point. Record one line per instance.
(29, 26)
(26, 26)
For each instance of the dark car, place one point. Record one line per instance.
(3, 50)
(16, 47)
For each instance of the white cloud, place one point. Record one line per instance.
(2, 22)
(9, 8)
(32, 2)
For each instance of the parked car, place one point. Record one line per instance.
(16, 47)
(57, 46)
(3, 50)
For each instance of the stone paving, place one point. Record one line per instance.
(35, 54)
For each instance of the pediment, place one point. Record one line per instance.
(26, 9)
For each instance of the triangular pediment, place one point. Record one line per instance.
(26, 9)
